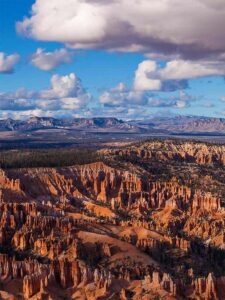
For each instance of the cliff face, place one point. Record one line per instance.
(101, 232)
(191, 152)
(119, 189)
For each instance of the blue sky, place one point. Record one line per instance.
(116, 72)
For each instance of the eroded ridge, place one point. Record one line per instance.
(101, 231)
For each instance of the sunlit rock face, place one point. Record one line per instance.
(115, 230)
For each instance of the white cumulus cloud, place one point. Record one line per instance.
(68, 89)
(145, 76)
(47, 61)
(122, 96)
(65, 96)
(191, 29)
(7, 62)
(150, 76)
(180, 69)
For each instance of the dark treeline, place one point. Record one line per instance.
(46, 158)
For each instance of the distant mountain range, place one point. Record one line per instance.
(184, 125)
(175, 125)
(89, 124)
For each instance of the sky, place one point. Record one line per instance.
(130, 59)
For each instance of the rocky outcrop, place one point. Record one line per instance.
(122, 190)
(210, 287)
(190, 152)
(103, 232)
(6, 183)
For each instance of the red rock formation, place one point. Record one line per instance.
(147, 246)
(169, 150)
